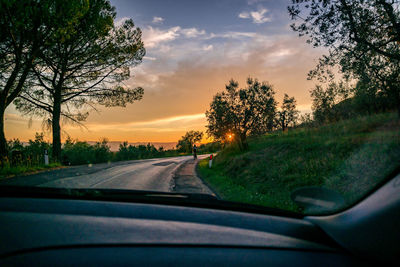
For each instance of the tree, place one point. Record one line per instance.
(306, 120)
(363, 39)
(369, 98)
(86, 66)
(325, 101)
(350, 25)
(378, 81)
(187, 141)
(242, 111)
(26, 26)
(288, 115)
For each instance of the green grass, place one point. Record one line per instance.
(350, 157)
(8, 171)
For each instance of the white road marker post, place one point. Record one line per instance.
(210, 161)
(46, 157)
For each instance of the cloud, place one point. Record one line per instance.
(157, 20)
(207, 47)
(149, 58)
(152, 37)
(252, 2)
(244, 15)
(166, 124)
(232, 35)
(284, 61)
(258, 16)
(155, 37)
(192, 32)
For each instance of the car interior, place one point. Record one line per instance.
(149, 228)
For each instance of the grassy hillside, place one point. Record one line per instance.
(350, 157)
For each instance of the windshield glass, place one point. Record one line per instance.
(293, 105)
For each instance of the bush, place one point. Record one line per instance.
(31, 154)
(210, 147)
(76, 152)
(129, 152)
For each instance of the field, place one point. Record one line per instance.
(350, 157)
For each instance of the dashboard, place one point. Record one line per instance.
(65, 232)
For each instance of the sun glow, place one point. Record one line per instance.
(230, 136)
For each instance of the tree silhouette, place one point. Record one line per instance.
(86, 66)
(325, 101)
(363, 38)
(241, 112)
(187, 141)
(288, 115)
(27, 27)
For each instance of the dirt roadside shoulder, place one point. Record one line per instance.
(186, 180)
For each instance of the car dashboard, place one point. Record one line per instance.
(40, 231)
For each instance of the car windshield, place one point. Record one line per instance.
(291, 105)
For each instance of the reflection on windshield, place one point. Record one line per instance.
(225, 101)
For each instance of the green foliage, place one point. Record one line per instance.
(288, 115)
(363, 39)
(187, 141)
(325, 101)
(349, 156)
(26, 28)
(306, 120)
(357, 25)
(77, 152)
(246, 111)
(210, 147)
(29, 155)
(369, 99)
(26, 158)
(129, 152)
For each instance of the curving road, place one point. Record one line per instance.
(150, 174)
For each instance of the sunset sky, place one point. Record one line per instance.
(193, 49)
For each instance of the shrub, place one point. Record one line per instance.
(77, 152)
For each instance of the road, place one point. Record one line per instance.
(150, 174)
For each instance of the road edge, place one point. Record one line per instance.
(197, 174)
(173, 174)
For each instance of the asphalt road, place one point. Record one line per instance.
(151, 174)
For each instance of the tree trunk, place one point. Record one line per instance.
(398, 104)
(283, 125)
(3, 141)
(243, 142)
(283, 121)
(56, 126)
(398, 110)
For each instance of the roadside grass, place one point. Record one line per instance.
(350, 157)
(10, 171)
